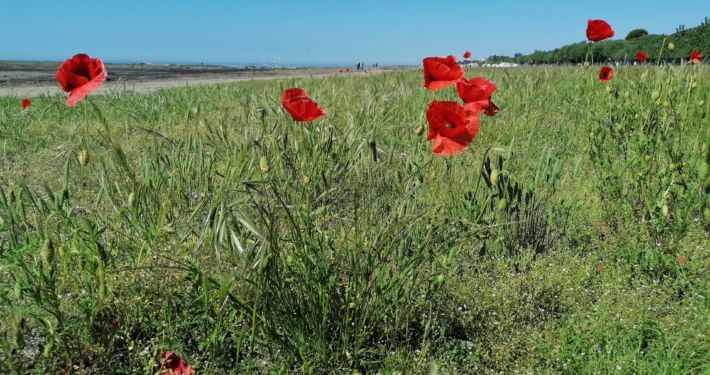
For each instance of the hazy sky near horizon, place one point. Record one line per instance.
(317, 31)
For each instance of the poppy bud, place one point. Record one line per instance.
(83, 158)
(672, 167)
(703, 171)
(494, 177)
(502, 205)
(701, 103)
(132, 199)
(440, 279)
(306, 179)
(664, 210)
(694, 76)
(586, 64)
(706, 213)
(671, 46)
(693, 85)
(419, 130)
(655, 95)
(666, 104)
(264, 165)
(289, 259)
(351, 305)
(643, 76)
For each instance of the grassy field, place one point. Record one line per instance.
(208, 223)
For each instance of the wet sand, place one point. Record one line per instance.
(31, 79)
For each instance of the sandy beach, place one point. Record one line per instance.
(31, 79)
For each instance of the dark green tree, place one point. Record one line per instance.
(637, 33)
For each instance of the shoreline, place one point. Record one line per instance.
(21, 79)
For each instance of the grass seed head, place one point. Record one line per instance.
(83, 158)
(264, 165)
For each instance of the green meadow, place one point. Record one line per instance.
(570, 237)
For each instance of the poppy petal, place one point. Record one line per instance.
(451, 126)
(441, 72)
(172, 364)
(80, 75)
(598, 30)
(300, 106)
(606, 74)
(79, 93)
(492, 109)
(695, 56)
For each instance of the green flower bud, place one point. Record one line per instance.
(494, 177)
(502, 205)
(264, 164)
(703, 171)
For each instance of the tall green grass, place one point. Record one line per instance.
(208, 223)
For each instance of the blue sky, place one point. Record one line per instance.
(317, 32)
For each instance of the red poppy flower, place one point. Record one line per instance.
(341, 70)
(606, 74)
(451, 126)
(641, 56)
(602, 268)
(682, 260)
(696, 56)
(476, 94)
(347, 70)
(300, 106)
(598, 30)
(441, 72)
(26, 103)
(365, 71)
(174, 365)
(81, 75)
(466, 55)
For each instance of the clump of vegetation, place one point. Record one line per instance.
(684, 41)
(569, 237)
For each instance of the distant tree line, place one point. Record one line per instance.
(684, 40)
